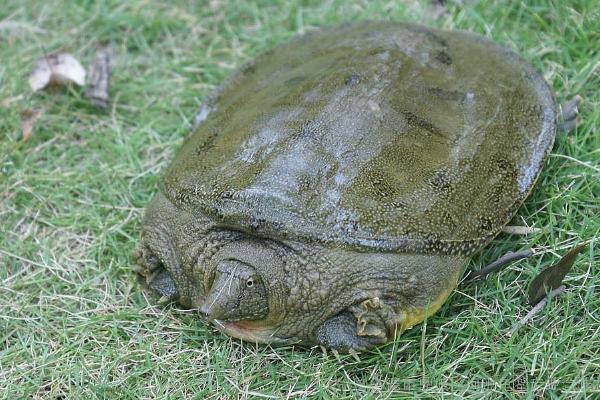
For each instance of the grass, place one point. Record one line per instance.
(73, 323)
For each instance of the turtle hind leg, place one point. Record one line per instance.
(568, 114)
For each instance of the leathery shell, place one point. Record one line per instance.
(372, 135)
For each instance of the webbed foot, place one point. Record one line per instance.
(568, 114)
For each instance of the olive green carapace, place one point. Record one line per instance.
(336, 186)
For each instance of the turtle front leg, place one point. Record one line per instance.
(340, 333)
(359, 328)
(152, 275)
(163, 284)
(568, 114)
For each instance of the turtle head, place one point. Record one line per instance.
(238, 293)
(246, 291)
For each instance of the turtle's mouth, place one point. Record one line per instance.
(251, 331)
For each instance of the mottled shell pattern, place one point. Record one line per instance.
(373, 135)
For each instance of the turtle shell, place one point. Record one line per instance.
(386, 136)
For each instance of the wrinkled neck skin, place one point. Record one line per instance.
(306, 283)
(332, 280)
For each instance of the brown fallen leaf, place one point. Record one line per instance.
(535, 310)
(551, 278)
(98, 78)
(56, 69)
(28, 119)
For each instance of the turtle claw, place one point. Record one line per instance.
(569, 125)
(370, 320)
(138, 270)
(151, 276)
(354, 354)
(324, 350)
(336, 354)
(165, 299)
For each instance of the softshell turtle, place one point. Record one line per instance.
(335, 187)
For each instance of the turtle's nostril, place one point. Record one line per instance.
(204, 310)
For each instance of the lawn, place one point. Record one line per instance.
(73, 323)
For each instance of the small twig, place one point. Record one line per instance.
(498, 264)
(98, 77)
(519, 230)
(535, 310)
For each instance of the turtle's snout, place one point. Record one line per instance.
(222, 299)
(204, 311)
(211, 309)
(237, 294)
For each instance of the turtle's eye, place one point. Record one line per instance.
(237, 293)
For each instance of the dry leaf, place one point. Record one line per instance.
(535, 310)
(551, 278)
(58, 69)
(97, 90)
(28, 119)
